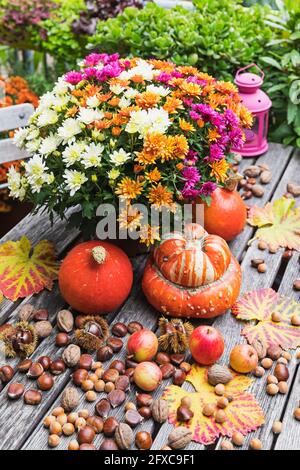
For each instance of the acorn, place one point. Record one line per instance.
(21, 340)
(93, 333)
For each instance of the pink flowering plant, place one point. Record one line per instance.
(145, 131)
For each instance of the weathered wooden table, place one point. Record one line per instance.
(21, 426)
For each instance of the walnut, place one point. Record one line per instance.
(218, 374)
(260, 348)
(71, 355)
(65, 321)
(43, 329)
(179, 438)
(26, 312)
(124, 436)
(70, 399)
(160, 410)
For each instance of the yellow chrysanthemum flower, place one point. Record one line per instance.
(159, 196)
(149, 234)
(219, 170)
(153, 176)
(130, 218)
(129, 189)
(186, 126)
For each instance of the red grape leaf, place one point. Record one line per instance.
(259, 305)
(25, 271)
(278, 223)
(243, 413)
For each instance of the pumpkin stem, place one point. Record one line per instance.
(232, 181)
(99, 254)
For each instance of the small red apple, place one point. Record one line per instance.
(206, 344)
(142, 345)
(147, 376)
(243, 358)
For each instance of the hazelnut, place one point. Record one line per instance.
(143, 440)
(91, 395)
(108, 444)
(96, 423)
(6, 373)
(96, 365)
(238, 439)
(93, 378)
(87, 385)
(55, 428)
(281, 372)
(62, 419)
(45, 361)
(283, 387)
(35, 371)
(73, 445)
(99, 385)
(119, 330)
(226, 445)
(267, 363)
(24, 365)
(32, 397)
(186, 367)
(115, 344)
(208, 410)
(86, 435)
(286, 355)
(271, 379)
(80, 423)
(79, 376)
(72, 417)
(58, 411)
(134, 326)
(104, 354)
(222, 402)
(297, 414)
(262, 268)
(84, 413)
(295, 320)
(262, 245)
(220, 416)
(109, 387)
(277, 427)
(276, 317)
(220, 389)
(48, 420)
(255, 444)
(259, 371)
(57, 367)
(103, 408)
(109, 427)
(85, 362)
(45, 382)
(130, 406)
(272, 389)
(68, 429)
(53, 440)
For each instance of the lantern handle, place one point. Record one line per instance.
(248, 67)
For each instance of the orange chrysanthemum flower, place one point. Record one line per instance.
(103, 124)
(190, 89)
(180, 146)
(246, 117)
(129, 189)
(162, 65)
(187, 70)
(130, 218)
(119, 81)
(200, 123)
(153, 176)
(226, 87)
(149, 234)
(154, 147)
(72, 111)
(219, 170)
(137, 79)
(172, 104)
(148, 99)
(91, 90)
(116, 131)
(159, 196)
(186, 126)
(213, 134)
(114, 101)
(104, 97)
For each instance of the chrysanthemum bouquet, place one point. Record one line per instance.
(147, 132)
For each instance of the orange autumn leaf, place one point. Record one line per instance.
(259, 305)
(25, 270)
(243, 413)
(278, 223)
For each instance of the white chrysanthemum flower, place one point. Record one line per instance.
(33, 146)
(46, 101)
(33, 133)
(20, 137)
(92, 155)
(69, 129)
(124, 102)
(15, 186)
(47, 117)
(60, 102)
(73, 152)
(138, 121)
(62, 87)
(159, 119)
(116, 89)
(87, 116)
(142, 68)
(119, 157)
(36, 173)
(113, 174)
(159, 90)
(93, 101)
(74, 180)
(131, 93)
(49, 144)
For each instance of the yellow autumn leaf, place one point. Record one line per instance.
(243, 413)
(25, 270)
(278, 223)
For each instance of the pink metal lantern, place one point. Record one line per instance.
(258, 104)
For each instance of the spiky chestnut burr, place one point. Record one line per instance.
(93, 333)
(174, 335)
(20, 340)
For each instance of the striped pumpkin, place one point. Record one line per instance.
(192, 275)
(194, 258)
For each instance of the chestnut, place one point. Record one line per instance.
(143, 399)
(24, 365)
(57, 367)
(15, 391)
(129, 373)
(45, 382)
(36, 369)
(133, 418)
(143, 440)
(6, 373)
(85, 362)
(162, 358)
(109, 444)
(179, 377)
(145, 412)
(110, 426)
(167, 370)
(129, 363)
(177, 359)
(119, 329)
(45, 361)
(115, 344)
(110, 375)
(87, 446)
(103, 407)
(62, 339)
(79, 376)
(32, 397)
(86, 435)
(118, 365)
(134, 326)
(105, 353)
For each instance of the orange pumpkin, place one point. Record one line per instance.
(192, 275)
(95, 277)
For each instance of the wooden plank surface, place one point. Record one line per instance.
(13, 117)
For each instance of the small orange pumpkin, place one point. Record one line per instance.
(95, 277)
(192, 275)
